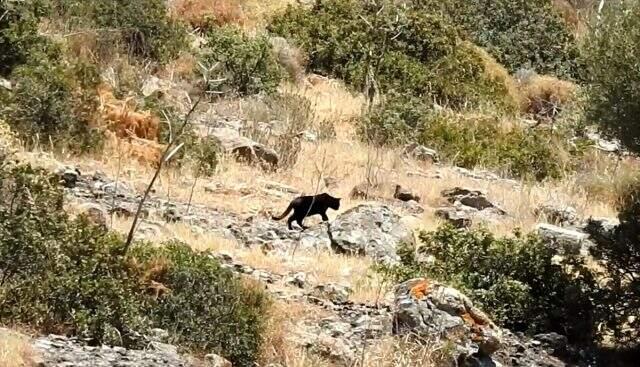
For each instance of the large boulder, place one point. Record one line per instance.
(444, 315)
(557, 214)
(475, 199)
(244, 148)
(565, 240)
(370, 229)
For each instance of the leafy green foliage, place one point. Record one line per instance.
(378, 45)
(143, 26)
(236, 63)
(19, 39)
(208, 310)
(53, 102)
(519, 34)
(68, 276)
(514, 279)
(611, 56)
(619, 252)
(468, 140)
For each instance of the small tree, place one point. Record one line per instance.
(612, 51)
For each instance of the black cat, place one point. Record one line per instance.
(305, 206)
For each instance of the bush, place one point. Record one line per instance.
(236, 63)
(528, 292)
(67, 276)
(143, 26)
(469, 140)
(519, 34)
(404, 48)
(611, 57)
(207, 309)
(619, 254)
(54, 102)
(19, 38)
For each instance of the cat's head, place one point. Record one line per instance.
(334, 203)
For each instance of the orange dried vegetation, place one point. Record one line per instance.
(200, 13)
(420, 290)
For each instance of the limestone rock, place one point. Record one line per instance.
(564, 240)
(404, 194)
(421, 153)
(370, 229)
(557, 214)
(472, 198)
(245, 148)
(214, 360)
(96, 213)
(69, 176)
(333, 292)
(457, 218)
(430, 309)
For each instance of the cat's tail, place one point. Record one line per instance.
(286, 212)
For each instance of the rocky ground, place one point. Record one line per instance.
(373, 229)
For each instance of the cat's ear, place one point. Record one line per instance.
(339, 199)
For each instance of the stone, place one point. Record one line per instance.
(335, 293)
(370, 229)
(69, 177)
(431, 309)
(455, 217)
(277, 186)
(404, 194)
(475, 199)
(244, 148)
(564, 240)
(553, 343)
(297, 280)
(214, 360)
(601, 229)
(171, 214)
(363, 191)
(4, 83)
(421, 153)
(95, 213)
(557, 214)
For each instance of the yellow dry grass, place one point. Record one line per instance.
(495, 71)
(545, 95)
(15, 350)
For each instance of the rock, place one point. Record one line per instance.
(553, 343)
(4, 83)
(430, 310)
(363, 191)
(335, 293)
(411, 207)
(370, 229)
(244, 148)
(122, 211)
(457, 218)
(475, 199)
(271, 185)
(69, 177)
(405, 195)
(171, 214)
(601, 229)
(297, 280)
(95, 213)
(557, 214)
(564, 240)
(421, 153)
(158, 335)
(214, 360)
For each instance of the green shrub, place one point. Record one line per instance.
(514, 279)
(469, 140)
(619, 252)
(19, 38)
(519, 34)
(54, 103)
(143, 26)
(207, 309)
(236, 63)
(393, 48)
(68, 276)
(611, 57)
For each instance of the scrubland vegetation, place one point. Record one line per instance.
(515, 87)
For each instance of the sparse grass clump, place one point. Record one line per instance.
(529, 292)
(59, 275)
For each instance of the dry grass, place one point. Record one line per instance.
(402, 352)
(15, 350)
(495, 71)
(545, 96)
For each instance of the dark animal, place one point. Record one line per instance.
(305, 206)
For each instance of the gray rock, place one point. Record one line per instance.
(363, 191)
(432, 310)
(95, 213)
(244, 148)
(335, 293)
(421, 153)
(475, 199)
(297, 280)
(404, 194)
(214, 360)
(370, 229)
(564, 240)
(4, 83)
(553, 343)
(557, 214)
(457, 218)
(69, 177)
(171, 214)
(601, 229)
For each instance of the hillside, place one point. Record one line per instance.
(484, 153)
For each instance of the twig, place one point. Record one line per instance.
(115, 190)
(156, 174)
